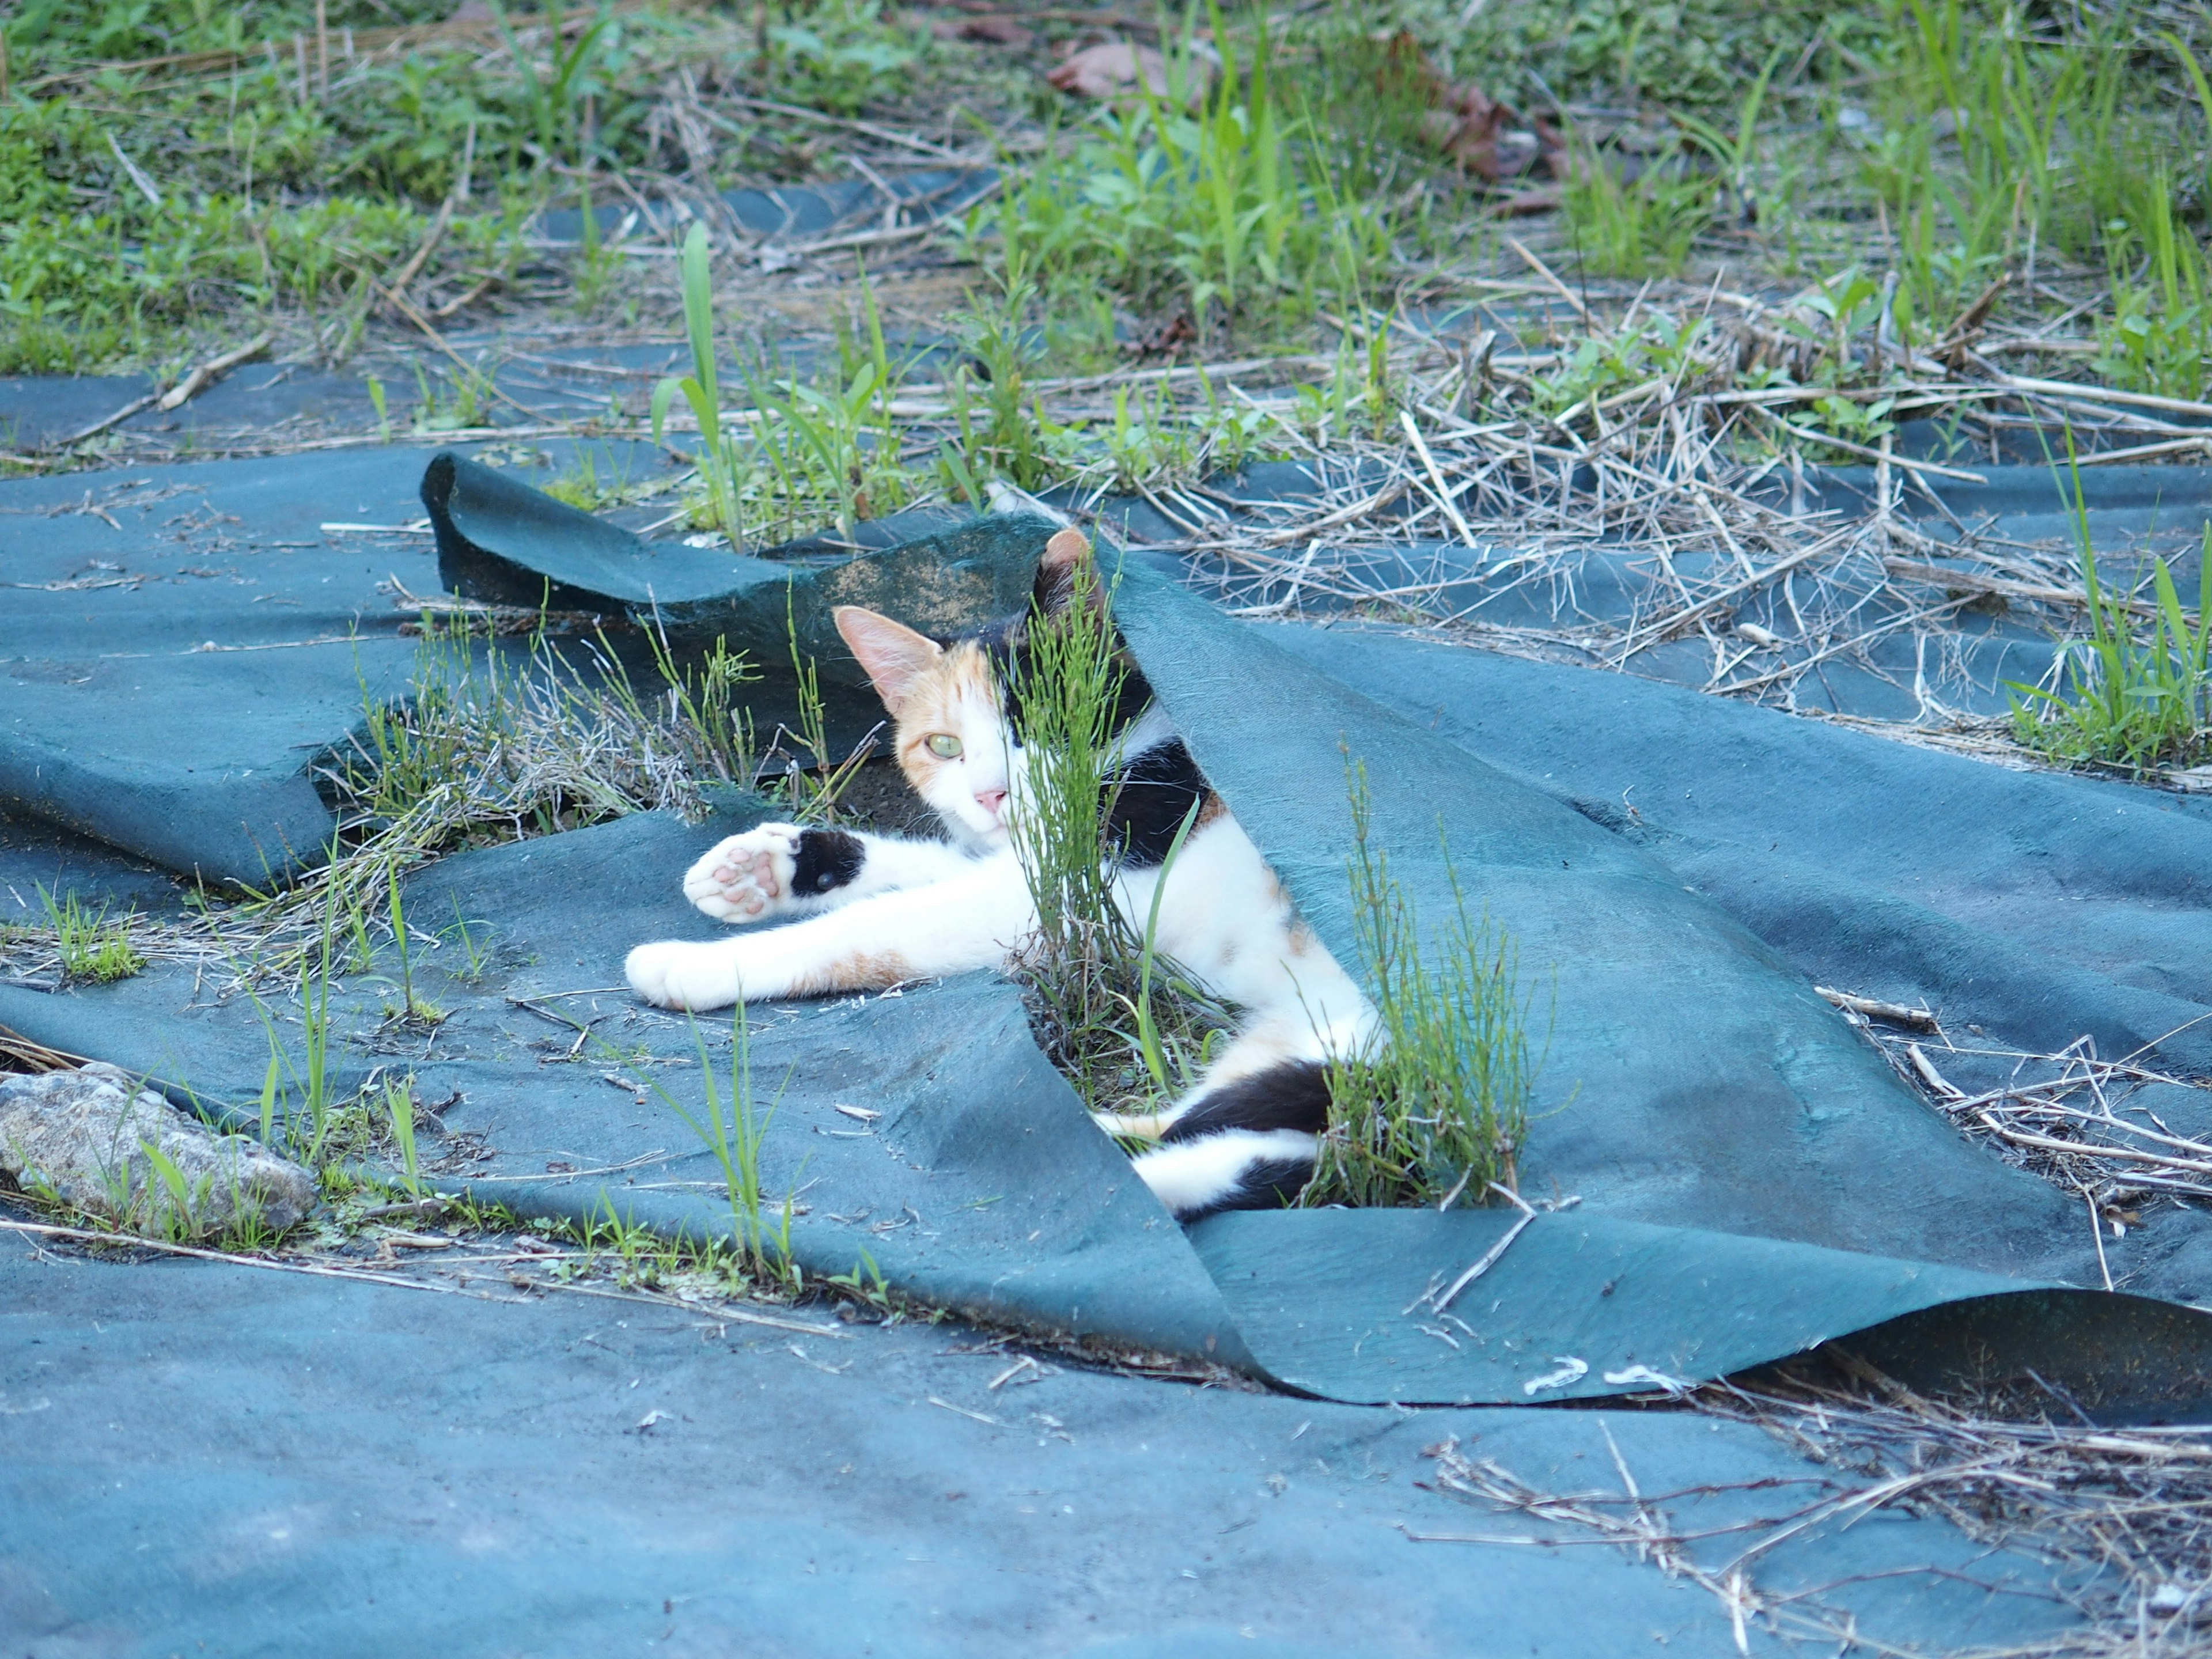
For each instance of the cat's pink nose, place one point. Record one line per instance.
(991, 800)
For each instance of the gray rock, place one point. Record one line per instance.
(83, 1136)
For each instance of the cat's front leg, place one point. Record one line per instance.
(779, 869)
(970, 920)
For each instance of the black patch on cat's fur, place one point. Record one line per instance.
(1152, 796)
(1267, 1183)
(826, 859)
(1292, 1096)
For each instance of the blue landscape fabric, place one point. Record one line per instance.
(1747, 1175)
(272, 1464)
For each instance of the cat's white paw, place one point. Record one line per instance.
(747, 876)
(678, 975)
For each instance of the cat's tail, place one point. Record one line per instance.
(1246, 1138)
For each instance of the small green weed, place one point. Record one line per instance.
(2159, 338)
(1436, 1106)
(1003, 429)
(553, 94)
(722, 466)
(841, 55)
(733, 1127)
(832, 447)
(1221, 200)
(583, 487)
(399, 1116)
(93, 948)
(476, 957)
(412, 1007)
(2131, 699)
(811, 779)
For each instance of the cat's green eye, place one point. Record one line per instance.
(943, 745)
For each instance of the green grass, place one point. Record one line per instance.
(733, 1127)
(1434, 1108)
(1120, 1020)
(823, 446)
(2133, 697)
(1068, 685)
(93, 948)
(2159, 337)
(1228, 204)
(719, 458)
(1638, 227)
(277, 201)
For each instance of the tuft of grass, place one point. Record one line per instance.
(412, 1007)
(2134, 700)
(400, 1115)
(812, 780)
(730, 1123)
(828, 446)
(93, 948)
(1224, 200)
(320, 1121)
(2159, 337)
(487, 749)
(841, 55)
(553, 96)
(1641, 226)
(583, 487)
(1434, 1106)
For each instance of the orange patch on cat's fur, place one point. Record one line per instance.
(858, 970)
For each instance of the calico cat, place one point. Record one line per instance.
(878, 910)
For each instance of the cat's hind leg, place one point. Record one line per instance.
(1233, 1169)
(1245, 1138)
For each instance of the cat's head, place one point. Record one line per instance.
(949, 704)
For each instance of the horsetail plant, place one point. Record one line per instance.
(1434, 1105)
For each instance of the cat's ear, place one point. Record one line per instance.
(1056, 577)
(894, 655)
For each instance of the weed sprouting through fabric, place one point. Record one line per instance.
(812, 780)
(2131, 699)
(732, 1126)
(1123, 1021)
(92, 949)
(1434, 1107)
(1068, 686)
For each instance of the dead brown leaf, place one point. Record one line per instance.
(1109, 68)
